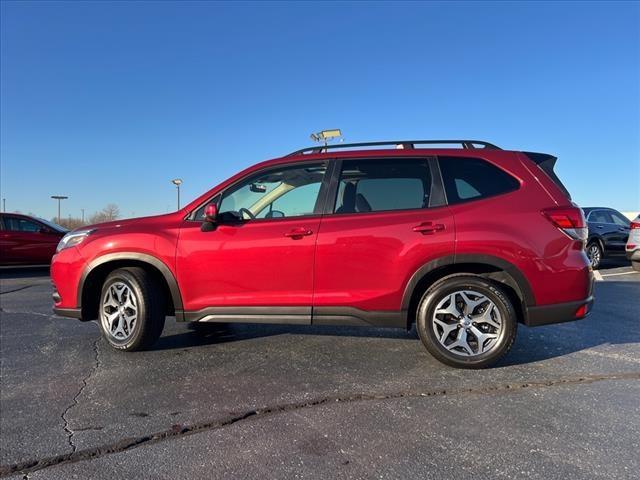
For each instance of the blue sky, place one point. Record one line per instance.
(106, 102)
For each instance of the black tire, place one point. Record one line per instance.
(594, 253)
(150, 309)
(460, 282)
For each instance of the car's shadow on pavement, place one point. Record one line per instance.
(215, 333)
(607, 324)
(617, 261)
(23, 272)
(612, 322)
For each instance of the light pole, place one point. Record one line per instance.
(4, 205)
(82, 210)
(177, 182)
(59, 198)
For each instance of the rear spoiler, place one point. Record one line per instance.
(546, 163)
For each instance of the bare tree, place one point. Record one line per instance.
(112, 211)
(107, 214)
(70, 223)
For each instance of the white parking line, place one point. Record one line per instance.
(622, 273)
(597, 275)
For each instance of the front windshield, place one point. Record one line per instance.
(53, 226)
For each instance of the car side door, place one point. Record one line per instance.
(385, 218)
(621, 231)
(601, 225)
(256, 264)
(26, 241)
(7, 244)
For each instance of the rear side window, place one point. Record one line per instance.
(620, 219)
(472, 179)
(383, 185)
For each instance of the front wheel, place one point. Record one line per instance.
(132, 310)
(466, 321)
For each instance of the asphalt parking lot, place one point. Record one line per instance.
(257, 401)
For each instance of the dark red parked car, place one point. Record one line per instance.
(26, 240)
(465, 242)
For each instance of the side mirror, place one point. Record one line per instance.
(211, 213)
(210, 218)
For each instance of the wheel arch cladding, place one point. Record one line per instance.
(502, 272)
(96, 272)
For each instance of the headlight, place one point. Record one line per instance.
(72, 239)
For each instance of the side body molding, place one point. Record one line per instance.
(138, 257)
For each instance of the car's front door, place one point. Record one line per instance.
(387, 221)
(26, 241)
(257, 263)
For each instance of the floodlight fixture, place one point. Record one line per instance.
(326, 135)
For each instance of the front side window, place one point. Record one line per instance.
(472, 179)
(383, 185)
(16, 224)
(600, 216)
(275, 193)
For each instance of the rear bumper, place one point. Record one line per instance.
(558, 313)
(634, 255)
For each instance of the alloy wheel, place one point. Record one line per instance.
(467, 323)
(594, 254)
(119, 311)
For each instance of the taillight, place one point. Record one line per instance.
(633, 236)
(570, 220)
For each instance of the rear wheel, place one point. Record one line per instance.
(132, 309)
(594, 252)
(466, 321)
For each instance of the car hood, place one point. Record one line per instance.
(131, 222)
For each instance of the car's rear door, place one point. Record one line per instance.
(385, 219)
(255, 269)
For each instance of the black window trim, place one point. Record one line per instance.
(436, 184)
(317, 209)
(477, 199)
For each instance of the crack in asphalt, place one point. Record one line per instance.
(67, 429)
(40, 314)
(177, 431)
(17, 289)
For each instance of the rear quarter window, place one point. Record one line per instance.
(467, 179)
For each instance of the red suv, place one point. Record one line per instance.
(465, 242)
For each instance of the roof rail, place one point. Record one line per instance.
(404, 144)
